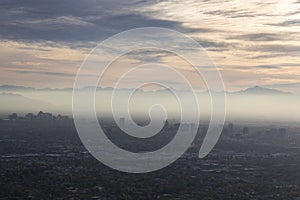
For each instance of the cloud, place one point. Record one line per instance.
(295, 22)
(231, 13)
(61, 20)
(267, 55)
(279, 67)
(268, 67)
(206, 43)
(252, 67)
(148, 55)
(283, 85)
(292, 86)
(280, 48)
(74, 21)
(49, 73)
(59, 34)
(257, 37)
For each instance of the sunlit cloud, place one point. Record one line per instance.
(251, 42)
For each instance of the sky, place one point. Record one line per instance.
(257, 42)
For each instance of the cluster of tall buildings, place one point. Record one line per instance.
(187, 127)
(39, 116)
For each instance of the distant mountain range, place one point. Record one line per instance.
(249, 103)
(256, 90)
(14, 88)
(16, 102)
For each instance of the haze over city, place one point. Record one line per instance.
(150, 99)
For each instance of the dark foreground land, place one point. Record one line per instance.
(46, 160)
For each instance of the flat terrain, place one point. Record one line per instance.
(46, 160)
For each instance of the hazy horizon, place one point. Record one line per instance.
(254, 104)
(246, 43)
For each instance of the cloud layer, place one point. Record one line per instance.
(252, 42)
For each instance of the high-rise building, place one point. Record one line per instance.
(245, 131)
(230, 128)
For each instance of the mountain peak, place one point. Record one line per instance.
(261, 90)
